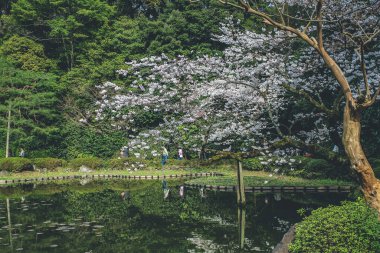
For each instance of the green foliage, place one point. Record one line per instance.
(62, 25)
(375, 162)
(299, 166)
(32, 98)
(26, 54)
(84, 42)
(252, 164)
(351, 227)
(371, 130)
(82, 141)
(48, 163)
(117, 164)
(314, 168)
(90, 162)
(15, 164)
(126, 163)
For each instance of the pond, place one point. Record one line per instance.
(91, 216)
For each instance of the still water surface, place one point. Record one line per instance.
(90, 216)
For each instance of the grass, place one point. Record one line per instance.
(251, 178)
(259, 178)
(65, 172)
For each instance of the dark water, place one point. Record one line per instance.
(92, 217)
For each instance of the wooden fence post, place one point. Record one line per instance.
(240, 187)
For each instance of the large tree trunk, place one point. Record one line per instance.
(358, 160)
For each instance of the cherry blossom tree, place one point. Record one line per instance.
(227, 98)
(344, 35)
(233, 100)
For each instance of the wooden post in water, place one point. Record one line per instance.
(241, 221)
(240, 187)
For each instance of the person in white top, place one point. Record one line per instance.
(180, 154)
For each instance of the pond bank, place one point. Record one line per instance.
(217, 179)
(113, 176)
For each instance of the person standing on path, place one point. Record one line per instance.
(164, 156)
(180, 154)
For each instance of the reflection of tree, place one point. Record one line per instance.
(9, 224)
(241, 222)
(145, 224)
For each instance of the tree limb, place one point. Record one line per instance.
(364, 71)
(320, 25)
(319, 105)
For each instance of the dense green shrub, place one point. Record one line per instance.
(253, 164)
(15, 164)
(48, 163)
(351, 227)
(130, 163)
(90, 162)
(305, 167)
(90, 142)
(313, 168)
(115, 164)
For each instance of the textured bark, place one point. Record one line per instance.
(351, 140)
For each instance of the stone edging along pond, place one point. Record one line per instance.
(107, 176)
(275, 188)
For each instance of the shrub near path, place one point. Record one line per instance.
(352, 227)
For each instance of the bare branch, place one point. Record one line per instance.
(318, 104)
(268, 20)
(330, 62)
(373, 100)
(320, 25)
(337, 102)
(279, 12)
(374, 34)
(364, 71)
(232, 4)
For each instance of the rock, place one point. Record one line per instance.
(85, 169)
(4, 173)
(282, 247)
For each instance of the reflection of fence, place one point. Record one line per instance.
(43, 179)
(275, 188)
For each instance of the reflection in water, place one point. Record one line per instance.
(125, 195)
(202, 193)
(182, 191)
(277, 196)
(9, 224)
(241, 222)
(70, 217)
(165, 189)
